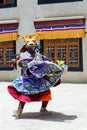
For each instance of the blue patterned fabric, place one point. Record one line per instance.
(42, 68)
(37, 76)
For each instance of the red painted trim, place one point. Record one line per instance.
(9, 25)
(59, 22)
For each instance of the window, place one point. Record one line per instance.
(55, 1)
(68, 50)
(7, 53)
(8, 3)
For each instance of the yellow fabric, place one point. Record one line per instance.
(80, 33)
(8, 37)
(60, 62)
(61, 34)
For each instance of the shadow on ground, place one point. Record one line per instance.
(52, 116)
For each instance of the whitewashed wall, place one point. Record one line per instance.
(28, 10)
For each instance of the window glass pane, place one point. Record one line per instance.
(73, 55)
(8, 3)
(61, 53)
(50, 52)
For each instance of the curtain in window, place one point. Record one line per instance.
(71, 27)
(8, 30)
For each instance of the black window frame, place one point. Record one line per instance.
(56, 1)
(9, 5)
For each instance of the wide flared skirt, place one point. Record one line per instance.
(43, 96)
(32, 85)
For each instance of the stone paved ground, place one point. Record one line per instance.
(68, 110)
